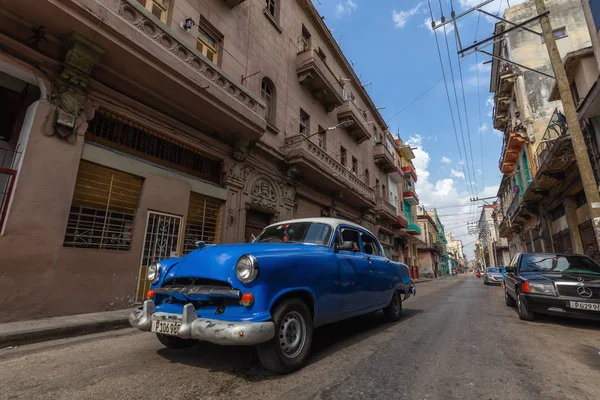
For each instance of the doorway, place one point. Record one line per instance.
(256, 221)
(163, 234)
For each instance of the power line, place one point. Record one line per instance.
(462, 133)
(420, 96)
(462, 84)
(437, 43)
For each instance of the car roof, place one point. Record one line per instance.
(333, 222)
(555, 254)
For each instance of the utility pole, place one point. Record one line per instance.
(579, 147)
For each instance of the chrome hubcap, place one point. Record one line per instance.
(292, 334)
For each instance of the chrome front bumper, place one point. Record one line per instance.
(209, 330)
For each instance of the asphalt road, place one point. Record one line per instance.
(457, 340)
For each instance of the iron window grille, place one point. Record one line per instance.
(103, 209)
(122, 134)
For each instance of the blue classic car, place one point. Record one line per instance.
(296, 276)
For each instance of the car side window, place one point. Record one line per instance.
(370, 245)
(350, 235)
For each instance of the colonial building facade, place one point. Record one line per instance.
(138, 127)
(542, 204)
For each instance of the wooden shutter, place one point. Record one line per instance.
(203, 221)
(307, 209)
(588, 239)
(103, 208)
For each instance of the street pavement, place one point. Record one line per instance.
(457, 340)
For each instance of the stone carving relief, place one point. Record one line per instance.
(264, 194)
(239, 171)
(288, 191)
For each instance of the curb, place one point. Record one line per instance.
(431, 279)
(19, 338)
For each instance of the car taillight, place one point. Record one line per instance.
(525, 287)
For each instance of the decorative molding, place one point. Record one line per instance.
(186, 54)
(82, 55)
(264, 194)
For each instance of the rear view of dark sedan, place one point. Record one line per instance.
(557, 284)
(492, 276)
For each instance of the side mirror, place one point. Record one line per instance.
(200, 244)
(252, 238)
(344, 246)
(512, 270)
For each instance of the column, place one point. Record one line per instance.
(572, 220)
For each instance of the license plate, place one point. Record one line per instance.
(585, 306)
(166, 327)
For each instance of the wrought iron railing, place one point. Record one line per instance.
(557, 127)
(9, 159)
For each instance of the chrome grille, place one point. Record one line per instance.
(571, 291)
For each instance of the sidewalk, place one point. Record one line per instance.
(415, 281)
(39, 330)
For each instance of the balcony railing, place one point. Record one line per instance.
(311, 158)
(384, 157)
(314, 73)
(358, 129)
(557, 128)
(386, 209)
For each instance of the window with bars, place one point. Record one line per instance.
(203, 221)
(271, 7)
(304, 123)
(322, 143)
(305, 39)
(103, 208)
(208, 42)
(267, 93)
(158, 8)
(121, 134)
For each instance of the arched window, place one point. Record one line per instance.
(367, 177)
(267, 93)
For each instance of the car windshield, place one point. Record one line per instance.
(559, 263)
(297, 232)
(493, 270)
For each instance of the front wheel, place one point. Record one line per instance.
(289, 348)
(394, 310)
(174, 342)
(524, 312)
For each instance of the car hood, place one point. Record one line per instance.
(218, 262)
(561, 277)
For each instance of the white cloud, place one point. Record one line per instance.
(446, 160)
(483, 128)
(401, 17)
(479, 172)
(490, 101)
(345, 7)
(451, 199)
(457, 174)
(427, 24)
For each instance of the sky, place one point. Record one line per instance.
(391, 45)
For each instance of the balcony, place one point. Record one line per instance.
(554, 141)
(410, 170)
(513, 208)
(510, 153)
(413, 229)
(410, 196)
(358, 129)
(384, 158)
(501, 112)
(177, 80)
(312, 164)
(507, 76)
(385, 209)
(233, 3)
(316, 76)
(397, 176)
(401, 222)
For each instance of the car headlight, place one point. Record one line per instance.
(542, 288)
(246, 269)
(153, 272)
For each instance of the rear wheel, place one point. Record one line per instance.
(174, 342)
(289, 348)
(394, 310)
(524, 312)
